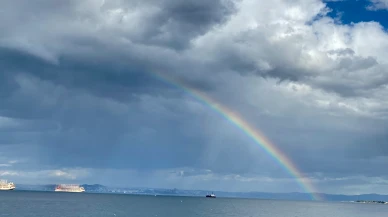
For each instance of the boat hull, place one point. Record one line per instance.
(71, 191)
(7, 189)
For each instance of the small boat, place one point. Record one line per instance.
(211, 195)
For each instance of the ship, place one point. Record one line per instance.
(69, 188)
(211, 195)
(5, 185)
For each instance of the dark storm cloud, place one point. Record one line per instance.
(94, 137)
(284, 73)
(163, 23)
(83, 94)
(343, 79)
(97, 75)
(91, 110)
(180, 21)
(94, 58)
(348, 72)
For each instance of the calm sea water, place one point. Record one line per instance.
(44, 204)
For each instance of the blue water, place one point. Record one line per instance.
(44, 204)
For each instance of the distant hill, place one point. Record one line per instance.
(96, 188)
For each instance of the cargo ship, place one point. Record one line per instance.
(69, 188)
(5, 185)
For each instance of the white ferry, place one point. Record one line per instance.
(69, 188)
(5, 185)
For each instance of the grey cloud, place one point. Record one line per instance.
(181, 21)
(342, 52)
(284, 55)
(84, 123)
(171, 24)
(357, 64)
(352, 78)
(378, 5)
(80, 55)
(106, 80)
(285, 73)
(94, 104)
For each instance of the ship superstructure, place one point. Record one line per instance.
(69, 188)
(5, 185)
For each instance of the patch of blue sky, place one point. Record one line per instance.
(355, 11)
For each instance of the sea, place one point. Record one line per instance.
(60, 204)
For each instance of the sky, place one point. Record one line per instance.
(81, 102)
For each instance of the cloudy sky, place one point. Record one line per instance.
(80, 102)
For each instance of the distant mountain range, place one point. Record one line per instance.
(96, 188)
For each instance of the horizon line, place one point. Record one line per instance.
(223, 191)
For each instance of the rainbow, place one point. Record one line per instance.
(257, 136)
